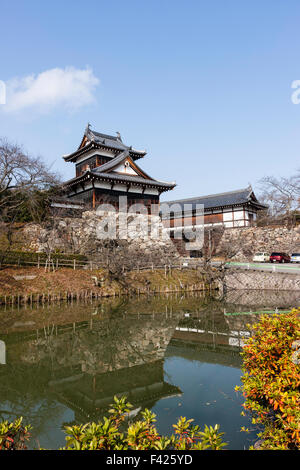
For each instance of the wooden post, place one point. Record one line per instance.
(74, 265)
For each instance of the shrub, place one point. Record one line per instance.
(114, 434)
(271, 380)
(13, 435)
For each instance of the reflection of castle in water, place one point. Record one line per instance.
(84, 363)
(89, 396)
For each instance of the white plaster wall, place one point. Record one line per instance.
(119, 187)
(125, 169)
(102, 185)
(227, 216)
(238, 215)
(152, 191)
(228, 224)
(135, 189)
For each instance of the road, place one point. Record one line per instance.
(275, 267)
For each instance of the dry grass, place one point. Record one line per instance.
(64, 279)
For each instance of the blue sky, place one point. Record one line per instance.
(203, 86)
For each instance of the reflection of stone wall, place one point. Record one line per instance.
(109, 345)
(263, 298)
(83, 365)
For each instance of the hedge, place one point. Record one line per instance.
(28, 257)
(271, 380)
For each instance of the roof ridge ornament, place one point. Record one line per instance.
(119, 136)
(88, 128)
(89, 133)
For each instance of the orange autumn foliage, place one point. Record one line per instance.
(271, 380)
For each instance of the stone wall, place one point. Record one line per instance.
(260, 280)
(242, 243)
(145, 233)
(86, 235)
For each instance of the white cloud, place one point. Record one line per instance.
(70, 88)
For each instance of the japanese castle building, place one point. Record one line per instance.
(106, 168)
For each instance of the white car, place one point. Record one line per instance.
(295, 258)
(261, 257)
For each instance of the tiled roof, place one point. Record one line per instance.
(118, 177)
(107, 140)
(238, 197)
(105, 172)
(133, 179)
(98, 139)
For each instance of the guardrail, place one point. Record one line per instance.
(266, 267)
(55, 263)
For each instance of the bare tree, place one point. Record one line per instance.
(20, 172)
(25, 182)
(282, 195)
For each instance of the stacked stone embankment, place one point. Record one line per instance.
(259, 280)
(243, 243)
(88, 233)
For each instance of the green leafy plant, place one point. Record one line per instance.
(115, 433)
(13, 435)
(271, 380)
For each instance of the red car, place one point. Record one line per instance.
(280, 258)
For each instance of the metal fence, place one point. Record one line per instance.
(55, 263)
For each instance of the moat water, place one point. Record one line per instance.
(62, 364)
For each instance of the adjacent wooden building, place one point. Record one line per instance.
(231, 209)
